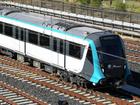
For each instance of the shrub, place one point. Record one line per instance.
(96, 3)
(86, 2)
(119, 5)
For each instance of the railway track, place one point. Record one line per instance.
(13, 96)
(41, 80)
(34, 76)
(132, 50)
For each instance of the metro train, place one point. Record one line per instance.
(77, 53)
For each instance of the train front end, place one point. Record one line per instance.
(111, 57)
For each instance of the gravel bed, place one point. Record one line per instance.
(135, 70)
(41, 93)
(134, 67)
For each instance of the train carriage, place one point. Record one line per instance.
(77, 53)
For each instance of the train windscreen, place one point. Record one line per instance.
(112, 47)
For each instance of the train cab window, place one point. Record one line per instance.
(33, 37)
(8, 30)
(45, 41)
(1, 27)
(112, 47)
(54, 44)
(75, 50)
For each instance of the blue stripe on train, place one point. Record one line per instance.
(97, 74)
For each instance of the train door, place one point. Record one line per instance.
(59, 49)
(22, 43)
(19, 35)
(54, 54)
(61, 53)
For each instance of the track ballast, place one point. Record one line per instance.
(36, 77)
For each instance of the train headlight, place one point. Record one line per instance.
(109, 66)
(103, 69)
(124, 66)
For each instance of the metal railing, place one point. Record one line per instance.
(83, 10)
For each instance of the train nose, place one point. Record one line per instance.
(114, 71)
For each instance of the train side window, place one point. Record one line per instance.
(89, 56)
(75, 50)
(1, 27)
(8, 30)
(54, 44)
(45, 41)
(61, 46)
(22, 34)
(16, 33)
(33, 37)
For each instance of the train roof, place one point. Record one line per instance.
(48, 21)
(83, 30)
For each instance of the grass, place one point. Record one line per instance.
(131, 5)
